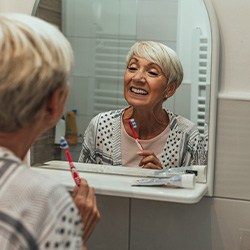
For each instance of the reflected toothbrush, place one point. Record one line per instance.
(65, 146)
(133, 125)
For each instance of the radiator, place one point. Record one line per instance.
(201, 80)
(110, 64)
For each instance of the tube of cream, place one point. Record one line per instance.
(200, 172)
(182, 180)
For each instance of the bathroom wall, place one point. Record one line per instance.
(232, 164)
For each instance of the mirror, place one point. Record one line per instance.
(101, 33)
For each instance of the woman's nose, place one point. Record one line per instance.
(139, 76)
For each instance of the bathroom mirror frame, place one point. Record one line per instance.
(214, 73)
(214, 76)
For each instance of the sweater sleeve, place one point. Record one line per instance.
(88, 150)
(194, 148)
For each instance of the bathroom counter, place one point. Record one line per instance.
(121, 186)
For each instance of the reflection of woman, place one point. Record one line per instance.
(153, 74)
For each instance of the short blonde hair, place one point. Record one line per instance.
(162, 55)
(35, 60)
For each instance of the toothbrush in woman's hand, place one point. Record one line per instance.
(133, 125)
(65, 146)
(153, 164)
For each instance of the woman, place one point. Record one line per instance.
(153, 74)
(36, 212)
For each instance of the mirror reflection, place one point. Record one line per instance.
(101, 33)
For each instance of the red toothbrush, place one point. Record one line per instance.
(64, 145)
(133, 125)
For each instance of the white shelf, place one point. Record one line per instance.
(121, 186)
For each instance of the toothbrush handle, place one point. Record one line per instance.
(139, 144)
(74, 172)
(68, 155)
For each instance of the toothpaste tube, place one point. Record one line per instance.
(182, 180)
(200, 172)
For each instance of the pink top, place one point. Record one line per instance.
(130, 149)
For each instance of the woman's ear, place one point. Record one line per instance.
(171, 88)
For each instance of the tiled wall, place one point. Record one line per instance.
(136, 224)
(232, 173)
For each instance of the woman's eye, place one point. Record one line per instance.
(153, 73)
(132, 68)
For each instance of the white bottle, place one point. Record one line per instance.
(60, 131)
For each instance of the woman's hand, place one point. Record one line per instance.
(149, 160)
(85, 200)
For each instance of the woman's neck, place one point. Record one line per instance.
(16, 142)
(149, 123)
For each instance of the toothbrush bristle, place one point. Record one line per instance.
(63, 143)
(133, 123)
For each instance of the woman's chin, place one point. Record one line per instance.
(138, 104)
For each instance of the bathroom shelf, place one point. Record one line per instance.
(121, 185)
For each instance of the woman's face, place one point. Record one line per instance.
(144, 83)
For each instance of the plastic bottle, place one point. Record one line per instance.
(71, 127)
(60, 130)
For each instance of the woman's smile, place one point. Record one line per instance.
(138, 91)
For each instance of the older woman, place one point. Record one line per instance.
(153, 74)
(36, 212)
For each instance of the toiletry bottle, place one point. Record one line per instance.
(71, 127)
(59, 130)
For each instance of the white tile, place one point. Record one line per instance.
(107, 17)
(169, 104)
(166, 225)
(81, 95)
(182, 100)
(159, 24)
(79, 18)
(112, 232)
(232, 166)
(128, 17)
(230, 224)
(84, 50)
(179, 103)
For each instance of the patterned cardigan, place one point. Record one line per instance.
(102, 141)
